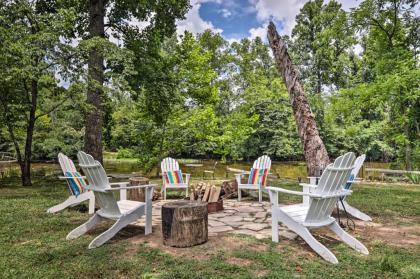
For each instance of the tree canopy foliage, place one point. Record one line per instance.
(201, 96)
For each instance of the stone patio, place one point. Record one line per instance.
(245, 217)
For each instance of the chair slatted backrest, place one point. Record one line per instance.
(170, 165)
(66, 163)
(331, 182)
(259, 172)
(358, 165)
(97, 179)
(68, 168)
(263, 162)
(353, 175)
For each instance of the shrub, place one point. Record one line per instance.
(125, 153)
(413, 178)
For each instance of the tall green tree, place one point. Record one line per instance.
(321, 40)
(322, 49)
(263, 95)
(120, 17)
(391, 46)
(173, 85)
(31, 50)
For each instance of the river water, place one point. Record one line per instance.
(292, 170)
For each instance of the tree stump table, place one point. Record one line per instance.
(184, 223)
(137, 194)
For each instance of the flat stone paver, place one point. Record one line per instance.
(213, 223)
(287, 234)
(228, 219)
(236, 224)
(262, 214)
(245, 217)
(243, 214)
(254, 226)
(220, 229)
(250, 209)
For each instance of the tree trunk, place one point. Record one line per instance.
(25, 165)
(160, 155)
(138, 194)
(184, 223)
(93, 132)
(316, 155)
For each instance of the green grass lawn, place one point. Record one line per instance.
(33, 244)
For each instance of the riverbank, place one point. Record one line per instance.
(292, 170)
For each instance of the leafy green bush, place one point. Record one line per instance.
(413, 178)
(125, 153)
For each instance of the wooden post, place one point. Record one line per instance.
(316, 155)
(184, 223)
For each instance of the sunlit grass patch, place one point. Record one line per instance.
(33, 244)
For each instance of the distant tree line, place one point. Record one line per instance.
(200, 96)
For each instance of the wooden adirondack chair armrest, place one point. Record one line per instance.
(308, 185)
(118, 184)
(281, 190)
(95, 189)
(340, 194)
(84, 177)
(131, 187)
(238, 177)
(66, 177)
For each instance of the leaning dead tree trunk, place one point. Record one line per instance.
(316, 155)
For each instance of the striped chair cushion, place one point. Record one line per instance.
(258, 177)
(76, 183)
(173, 177)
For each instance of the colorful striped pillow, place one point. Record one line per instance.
(173, 177)
(258, 177)
(76, 183)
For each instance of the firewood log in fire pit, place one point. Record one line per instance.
(210, 194)
(230, 189)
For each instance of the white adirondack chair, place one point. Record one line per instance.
(300, 218)
(67, 165)
(263, 162)
(170, 164)
(123, 211)
(353, 179)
